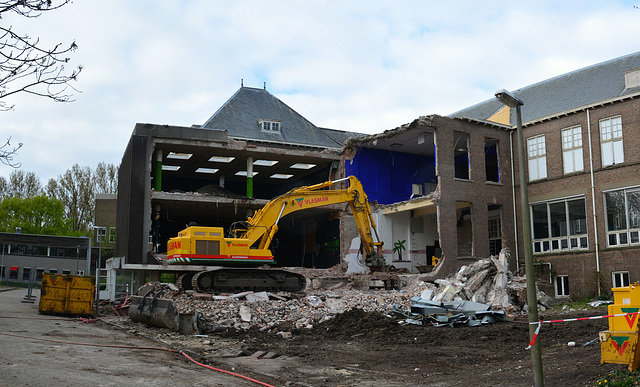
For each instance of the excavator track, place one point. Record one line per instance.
(243, 279)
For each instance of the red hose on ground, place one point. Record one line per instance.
(226, 372)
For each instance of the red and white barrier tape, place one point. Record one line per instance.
(539, 323)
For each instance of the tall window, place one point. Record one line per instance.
(620, 279)
(572, 150)
(112, 235)
(562, 285)
(623, 216)
(461, 155)
(495, 235)
(491, 160)
(559, 225)
(537, 152)
(611, 141)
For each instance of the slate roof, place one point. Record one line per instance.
(241, 114)
(590, 85)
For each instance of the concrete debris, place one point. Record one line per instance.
(451, 313)
(480, 293)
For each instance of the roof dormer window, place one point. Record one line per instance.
(270, 125)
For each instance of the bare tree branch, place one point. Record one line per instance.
(28, 66)
(7, 153)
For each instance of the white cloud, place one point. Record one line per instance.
(359, 65)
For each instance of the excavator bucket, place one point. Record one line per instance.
(149, 308)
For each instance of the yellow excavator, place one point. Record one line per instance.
(249, 242)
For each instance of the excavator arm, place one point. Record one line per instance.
(263, 225)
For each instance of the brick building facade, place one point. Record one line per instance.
(581, 131)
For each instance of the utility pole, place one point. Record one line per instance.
(512, 101)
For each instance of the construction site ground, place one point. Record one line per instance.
(355, 348)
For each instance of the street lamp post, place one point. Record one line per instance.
(512, 101)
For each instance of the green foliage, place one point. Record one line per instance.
(620, 378)
(399, 246)
(34, 215)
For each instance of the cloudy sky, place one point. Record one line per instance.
(364, 66)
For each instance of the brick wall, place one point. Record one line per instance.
(580, 265)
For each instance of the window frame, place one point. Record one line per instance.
(491, 161)
(112, 235)
(627, 229)
(537, 157)
(562, 286)
(572, 157)
(611, 137)
(494, 224)
(622, 280)
(270, 126)
(571, 238)
(461, 156)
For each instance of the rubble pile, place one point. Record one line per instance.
(486, 286)
(264, 310)
(486, 281)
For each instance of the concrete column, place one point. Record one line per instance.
(158, 180)
(250, 177)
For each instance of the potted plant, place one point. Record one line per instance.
(398, 247)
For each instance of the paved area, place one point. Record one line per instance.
(43, 350)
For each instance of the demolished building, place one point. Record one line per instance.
(444, 185)
(251, 150)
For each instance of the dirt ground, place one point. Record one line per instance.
(359, 348)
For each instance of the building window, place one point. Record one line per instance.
(491, 160)
(461, 155)
(26, 272)
(66, 271)
(620, 279)
(572, 150)
(611, 141)
(562, 285)
(464, 229)
(270, 125)
(39, 272)
(622, 209)
(2, 275)
(53, 271)
(537, 151)
(13, 272)
(112, 235)
(495, 235)
(559, 225)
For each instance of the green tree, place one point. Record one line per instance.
(34, 215)
(77, 189)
